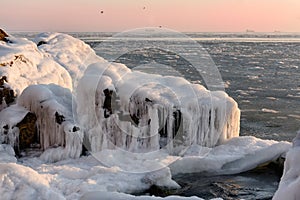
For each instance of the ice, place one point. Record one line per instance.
(24, 64)
(235, 156)
(9, 117)
(20, 182)
(73, 54)
(290, 182)
(84, 177)
(52, 106)
(7, 154)
(147, 111)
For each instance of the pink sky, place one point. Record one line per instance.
(180, 15)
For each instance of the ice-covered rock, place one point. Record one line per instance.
(52, 106)
(71, 53)
(24, 64)
(7, 95)
(43, 115)
(54, 58)
(148, 112)
(3, 35)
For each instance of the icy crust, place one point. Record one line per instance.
(24, 64)
(52, 106)
(73, 178)
(52, 58)
(73, 54)
(290, 181)
(149, 112)
(21, 182)
(234, 156)
(86, 177)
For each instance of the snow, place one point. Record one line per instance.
(72, 54)
(290, 182)
(25, 64)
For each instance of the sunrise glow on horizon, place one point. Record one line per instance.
(119, 15)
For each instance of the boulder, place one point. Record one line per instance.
(3, 35)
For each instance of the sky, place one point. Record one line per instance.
(121, 15)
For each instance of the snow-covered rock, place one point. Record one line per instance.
(24, 64)
(72, 54)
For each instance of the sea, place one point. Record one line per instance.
(260, 71)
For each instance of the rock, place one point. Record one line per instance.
(41, 43)
(107, 103)
(27, 135)
(7, 95)
(59, 118)
(3, 35)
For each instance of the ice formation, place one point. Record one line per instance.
(148, 112)
(290, 181)
(24, 63)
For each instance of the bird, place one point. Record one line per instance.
(144, 8)
(102, 12)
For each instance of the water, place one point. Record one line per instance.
(261, 72)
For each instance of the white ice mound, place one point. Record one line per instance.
(71, 53)
(54, 58)
(48, 109)
(20, 182)
(234, 156)
(52, 106)
(140, 112)
(290, 181)
(24, 64)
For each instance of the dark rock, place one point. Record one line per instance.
(41, 43)
(28, 133)
(60, 119)
(148, 100)
(6, 92)
(75, 128)
(163, 132)
(107, 103)
(3, 36)
(158, 191)
(3, 79)
(5, 132)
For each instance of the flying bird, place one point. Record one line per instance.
(102, 12)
